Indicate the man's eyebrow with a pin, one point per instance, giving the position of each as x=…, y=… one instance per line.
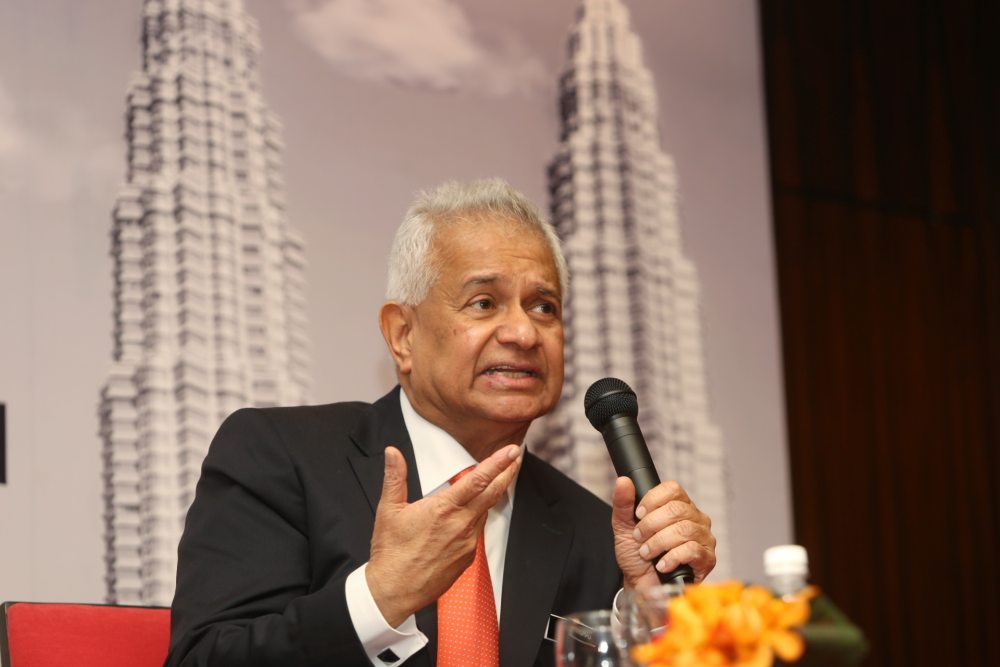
x=489, y=278
x=481, y=280
x=552, y=294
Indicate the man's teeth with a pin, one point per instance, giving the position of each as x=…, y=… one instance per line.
x=510, y=372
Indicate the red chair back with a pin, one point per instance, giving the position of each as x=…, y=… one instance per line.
x=37, y=634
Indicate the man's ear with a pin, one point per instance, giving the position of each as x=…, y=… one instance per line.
x=396, y=322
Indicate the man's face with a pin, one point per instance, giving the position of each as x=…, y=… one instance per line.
x=486, y=344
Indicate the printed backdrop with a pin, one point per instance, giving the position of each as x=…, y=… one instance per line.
x=378, y=100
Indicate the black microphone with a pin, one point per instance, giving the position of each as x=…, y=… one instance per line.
x=612, y=408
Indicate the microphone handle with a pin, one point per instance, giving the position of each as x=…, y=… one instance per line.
x=631, y=459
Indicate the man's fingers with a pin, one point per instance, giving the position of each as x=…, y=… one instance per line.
x=472, y=485
x=674, y=536
x=665, y=516
x=660, y=495
x=496, y=489
x=700, y=557
x=394, y=482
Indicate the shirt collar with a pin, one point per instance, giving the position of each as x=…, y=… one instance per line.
x=439, y=456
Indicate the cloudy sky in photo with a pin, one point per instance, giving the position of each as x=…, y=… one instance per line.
x=431, y=44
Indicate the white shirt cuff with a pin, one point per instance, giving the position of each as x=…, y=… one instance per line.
x=616, y=612
x=385, y=646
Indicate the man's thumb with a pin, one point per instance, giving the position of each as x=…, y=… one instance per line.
x=394, y=482
x=622, y=502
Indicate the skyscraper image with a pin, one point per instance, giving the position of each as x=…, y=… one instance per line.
x=632, y=309
x=209, y=293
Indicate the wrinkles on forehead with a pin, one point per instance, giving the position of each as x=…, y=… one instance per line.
x=468, y=224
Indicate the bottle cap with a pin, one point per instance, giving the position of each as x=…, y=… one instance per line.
x=786, y=559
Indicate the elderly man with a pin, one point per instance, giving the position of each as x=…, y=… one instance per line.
x=416, y=529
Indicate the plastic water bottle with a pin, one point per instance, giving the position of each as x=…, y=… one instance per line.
x=787, y=569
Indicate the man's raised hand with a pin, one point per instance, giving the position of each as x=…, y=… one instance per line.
x=419, y=549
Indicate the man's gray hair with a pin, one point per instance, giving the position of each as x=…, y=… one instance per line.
x=411, y=271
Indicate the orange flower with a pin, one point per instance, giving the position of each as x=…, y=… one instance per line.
x=729, y=625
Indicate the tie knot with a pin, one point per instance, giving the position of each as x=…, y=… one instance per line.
x=459, y=475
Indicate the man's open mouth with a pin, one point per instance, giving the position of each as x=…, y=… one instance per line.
x=511, y=372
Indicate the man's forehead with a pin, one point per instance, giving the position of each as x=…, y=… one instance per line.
x=464, y=241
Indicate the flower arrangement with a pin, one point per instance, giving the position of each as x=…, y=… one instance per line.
x=729, y=625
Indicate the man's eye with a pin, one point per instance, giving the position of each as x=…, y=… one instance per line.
x=482, y=304
x=547, y=308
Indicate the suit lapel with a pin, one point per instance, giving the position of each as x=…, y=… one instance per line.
x=537, y=546
x=383, y=426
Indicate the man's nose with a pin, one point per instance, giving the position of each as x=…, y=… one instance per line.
x=517, y=328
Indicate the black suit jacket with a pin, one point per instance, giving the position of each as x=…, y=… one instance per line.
x=284, y=511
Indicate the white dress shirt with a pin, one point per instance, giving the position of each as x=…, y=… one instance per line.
x=439, y=457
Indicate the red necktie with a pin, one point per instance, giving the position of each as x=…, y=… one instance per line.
x=468, y=635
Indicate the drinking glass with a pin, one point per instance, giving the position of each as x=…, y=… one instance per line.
x=585, y=639
x=644, y=616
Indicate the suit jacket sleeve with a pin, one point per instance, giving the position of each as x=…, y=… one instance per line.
x=246, y=592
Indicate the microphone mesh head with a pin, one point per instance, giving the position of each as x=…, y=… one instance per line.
x=607, y=398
